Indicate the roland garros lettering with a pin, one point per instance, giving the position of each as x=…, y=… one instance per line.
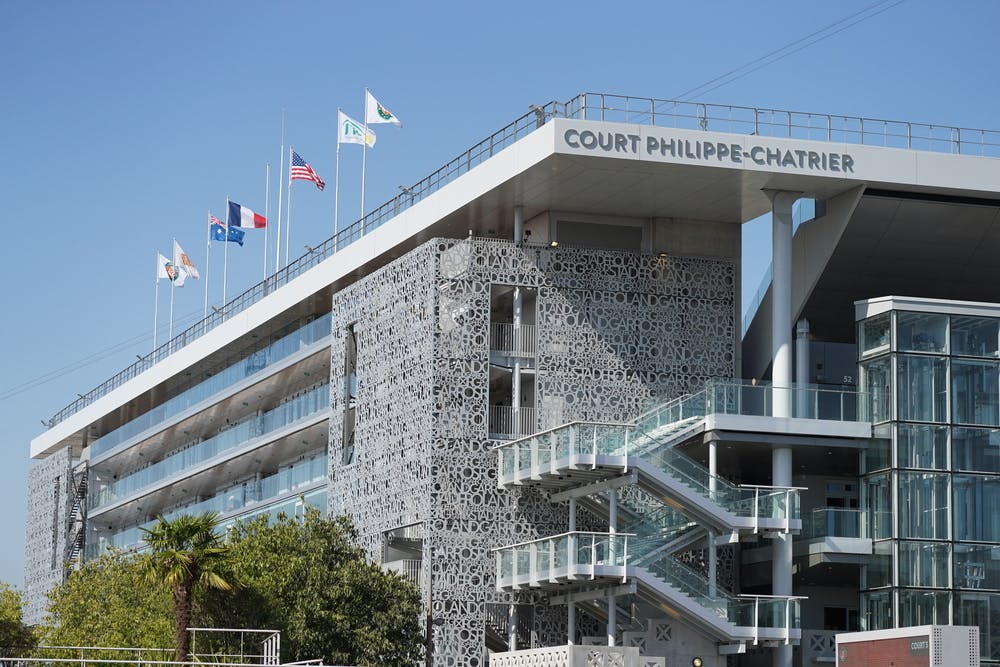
x=711, y=151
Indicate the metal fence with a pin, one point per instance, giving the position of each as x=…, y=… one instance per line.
x=586, y=106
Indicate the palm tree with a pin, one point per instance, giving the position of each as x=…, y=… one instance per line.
x=186, y=551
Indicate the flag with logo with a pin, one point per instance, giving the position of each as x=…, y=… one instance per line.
x=182, y=260
x=351, y=131
x=218, y=229
x=302, y=171
x=172, y=272
x=376, y=113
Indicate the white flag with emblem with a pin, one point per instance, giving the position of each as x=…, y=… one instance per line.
x=351, y=131
x=376, y=113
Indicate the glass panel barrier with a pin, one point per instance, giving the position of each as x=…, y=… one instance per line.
x=233, y=500
x=256, y=362
x=310, y=403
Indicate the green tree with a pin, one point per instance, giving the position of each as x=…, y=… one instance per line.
x=309, y=579
x=185, y=552
x=15, y=637
x=108, y=602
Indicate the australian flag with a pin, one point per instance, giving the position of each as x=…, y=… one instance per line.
x=219, y=231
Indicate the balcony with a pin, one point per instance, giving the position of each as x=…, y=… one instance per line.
x=511, y=341
x=275, y=493
x=257, y=363
x=504, y=424
x=300, y=408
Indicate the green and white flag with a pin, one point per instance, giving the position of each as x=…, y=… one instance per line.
x=376, y=113
x=351, y=131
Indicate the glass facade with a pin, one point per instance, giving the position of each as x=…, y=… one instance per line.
x=930, y=488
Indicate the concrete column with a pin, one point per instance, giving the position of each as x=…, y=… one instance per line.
x=803, y=398
x=713, y=556
x=512, y=627
x=781, y=296
x=571, y=624
x=515, y=390
x=781, y=380
x=612, y=528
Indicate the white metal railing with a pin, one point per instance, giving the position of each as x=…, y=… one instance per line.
x=514, y=340
x=505, y=422
x=407, y=567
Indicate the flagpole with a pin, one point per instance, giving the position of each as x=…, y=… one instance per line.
x=170, y=327
x=156, y=299
x=288, y=213
x=208, y=256
x=267, y=213
x=281, y=172
x=225, y=257
x=336, y=189
x=364, y=152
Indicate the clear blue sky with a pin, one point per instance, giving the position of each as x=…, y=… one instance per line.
x=124, y=122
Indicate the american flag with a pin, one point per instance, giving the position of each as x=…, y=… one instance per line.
x=302, y=171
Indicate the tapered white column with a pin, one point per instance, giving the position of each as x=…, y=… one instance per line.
x=803, y=399
x=781, y=380
x=713, y=471
x=612, y=529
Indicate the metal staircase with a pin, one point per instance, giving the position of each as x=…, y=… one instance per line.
x=672, y=504
x=76, y=521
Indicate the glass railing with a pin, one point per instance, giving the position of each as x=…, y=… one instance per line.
x=560, y=556
x=519, y=457
x=298, y=408
x=285, y=483
x=740, y=610
x=258, y=361
x=749, y=398
x=834, y=522
x=742, y=397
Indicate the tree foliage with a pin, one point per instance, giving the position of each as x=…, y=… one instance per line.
x=15, y=636
x=305, y=577
x=309, y=579
x=185, y=552
x=109, y=602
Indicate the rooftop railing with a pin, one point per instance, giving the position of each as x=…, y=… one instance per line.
x=586, y=106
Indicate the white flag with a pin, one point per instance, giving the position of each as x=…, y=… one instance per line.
x=172, y=272
x=182, y=260
x=376, y=113
x=351, y=131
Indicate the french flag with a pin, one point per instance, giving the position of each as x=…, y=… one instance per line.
x=241, y=216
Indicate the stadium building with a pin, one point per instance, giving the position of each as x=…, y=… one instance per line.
x=527, y=380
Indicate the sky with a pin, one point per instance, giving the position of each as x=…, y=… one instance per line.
x=122, y=124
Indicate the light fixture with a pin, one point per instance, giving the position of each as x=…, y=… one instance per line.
x=553, y=244
x=696, y=662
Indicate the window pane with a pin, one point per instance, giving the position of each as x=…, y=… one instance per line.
x=921, y=332
x=922, y=446
x=974, y=336
x=975, y=449
x=874, y=334
x=878, y=571
x=923, y=505
x=977, y=499
x=922, y=388
x=923, y=608
x=977, y=566
x=975, y=397
x=923, y=564
x=877, y=609
x=876, y=498
x=875, y=385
